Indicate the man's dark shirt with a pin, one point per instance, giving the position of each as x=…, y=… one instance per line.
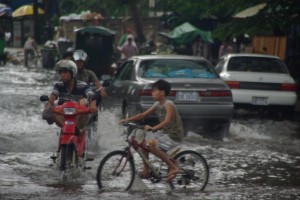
x=81, y=90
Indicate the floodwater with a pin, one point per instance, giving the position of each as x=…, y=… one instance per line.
x=259, y=160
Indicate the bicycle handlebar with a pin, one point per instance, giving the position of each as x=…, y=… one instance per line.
x=133, y=125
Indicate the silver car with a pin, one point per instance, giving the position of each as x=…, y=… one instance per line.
x=202, y=98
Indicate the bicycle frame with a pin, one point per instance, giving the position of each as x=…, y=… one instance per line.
x=139, y=147
x=119, y=165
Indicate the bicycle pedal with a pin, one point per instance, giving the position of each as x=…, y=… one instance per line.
x=172, y=187
x=89, y=159
x=53, y=157
x=86, y=168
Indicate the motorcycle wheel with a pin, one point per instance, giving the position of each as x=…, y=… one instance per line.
x=67, y=156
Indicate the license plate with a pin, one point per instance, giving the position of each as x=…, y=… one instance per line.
x=187, y=96
x=260, y=101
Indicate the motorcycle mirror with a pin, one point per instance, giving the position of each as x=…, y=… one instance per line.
x=44, y=98
x=105, y=80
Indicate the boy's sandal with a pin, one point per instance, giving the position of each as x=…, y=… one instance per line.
x=143, y=176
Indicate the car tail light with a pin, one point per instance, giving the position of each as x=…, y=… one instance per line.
x=233, y=84
x=288, y=87
x=145, y=93
x=149, y=93
x=172, y=93
x=218, y=93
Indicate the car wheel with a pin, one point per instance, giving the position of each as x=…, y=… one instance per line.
x=125, y=112
x=287, y=112
x=217, y=129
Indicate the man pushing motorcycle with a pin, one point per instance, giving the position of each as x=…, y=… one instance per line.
x=69, y=89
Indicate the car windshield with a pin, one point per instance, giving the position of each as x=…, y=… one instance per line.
x=176, y=68
x=256, y=64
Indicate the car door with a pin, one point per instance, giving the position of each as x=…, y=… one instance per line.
x=120, y=83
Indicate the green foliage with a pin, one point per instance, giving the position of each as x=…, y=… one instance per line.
x=71, y=6
x=275, y=18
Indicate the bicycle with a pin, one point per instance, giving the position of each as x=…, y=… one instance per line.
x=117, y=169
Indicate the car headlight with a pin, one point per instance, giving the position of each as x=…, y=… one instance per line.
x=69, y=111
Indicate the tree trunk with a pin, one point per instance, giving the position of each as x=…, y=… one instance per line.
x=137, y=22
x=36, y=21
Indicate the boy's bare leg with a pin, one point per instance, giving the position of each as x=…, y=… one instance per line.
x=82, y=121
x=145, y=171
x=59, y=120
x=173, y=169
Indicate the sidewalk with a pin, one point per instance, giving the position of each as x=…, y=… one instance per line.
x=16, y=52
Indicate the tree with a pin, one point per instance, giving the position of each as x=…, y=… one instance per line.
x=275, y=18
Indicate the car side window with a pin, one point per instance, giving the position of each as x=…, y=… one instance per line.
x=126, y=71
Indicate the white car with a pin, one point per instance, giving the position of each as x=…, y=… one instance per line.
x=259, y=81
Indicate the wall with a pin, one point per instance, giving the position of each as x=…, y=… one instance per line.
x=272, y=45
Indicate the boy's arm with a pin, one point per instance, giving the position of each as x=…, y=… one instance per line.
x=138, y=116
x=166, y=121
x=97, y=83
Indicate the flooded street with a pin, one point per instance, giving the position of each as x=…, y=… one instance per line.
x=260, y=159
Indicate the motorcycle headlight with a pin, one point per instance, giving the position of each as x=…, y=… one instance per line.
x=69, y=111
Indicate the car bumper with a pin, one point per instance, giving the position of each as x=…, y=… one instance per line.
x=271, y=98
x=207, y=111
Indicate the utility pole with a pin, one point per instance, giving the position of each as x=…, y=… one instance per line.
x=137, y=21
x=48, y=25
x=36, y=21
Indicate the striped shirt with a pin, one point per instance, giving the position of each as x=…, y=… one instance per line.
x=81, y=90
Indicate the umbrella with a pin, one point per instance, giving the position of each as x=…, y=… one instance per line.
x=186, y=32
x=249, y=12
x=5, y=10
x=26, y=10
x=97, y=30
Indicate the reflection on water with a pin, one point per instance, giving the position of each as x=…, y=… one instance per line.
x=260, y=159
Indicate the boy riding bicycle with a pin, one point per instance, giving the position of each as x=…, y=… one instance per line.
x=170, y=124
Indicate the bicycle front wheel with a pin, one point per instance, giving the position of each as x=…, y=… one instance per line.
x=116, y=172
x=194, y=173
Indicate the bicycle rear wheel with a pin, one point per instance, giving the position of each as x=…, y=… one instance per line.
x=195, y=171
x=116, y=172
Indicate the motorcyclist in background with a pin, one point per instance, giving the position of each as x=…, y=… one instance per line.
x=69, y=88
x=88, y=76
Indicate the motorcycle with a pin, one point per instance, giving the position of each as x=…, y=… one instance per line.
x=71, y=144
